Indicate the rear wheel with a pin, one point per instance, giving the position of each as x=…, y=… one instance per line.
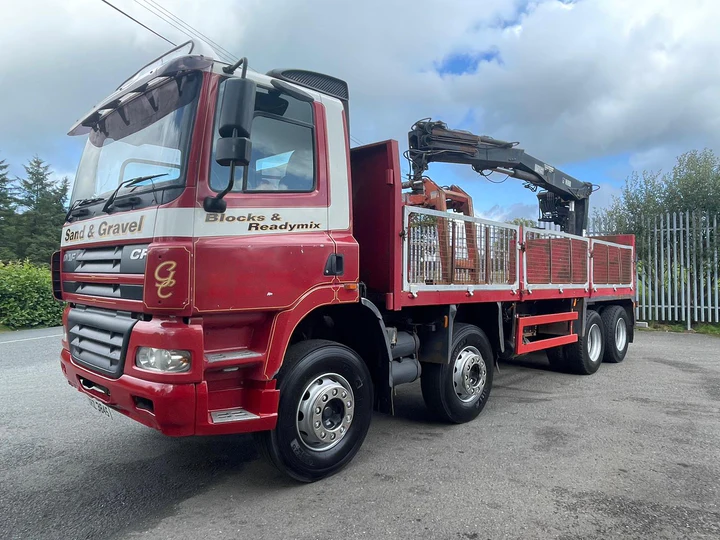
x=585, y=355
x=615, y=321
x=324, y=412
x=458, y=391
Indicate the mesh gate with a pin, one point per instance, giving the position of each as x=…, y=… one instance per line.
x=448, y=251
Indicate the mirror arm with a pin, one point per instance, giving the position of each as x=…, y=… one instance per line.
x=231, y=69
x=216, y=203
x=230, y=185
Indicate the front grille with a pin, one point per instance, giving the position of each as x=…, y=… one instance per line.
x=106, y=260
x=99, y=338
x=117, y=260
x=107, y=290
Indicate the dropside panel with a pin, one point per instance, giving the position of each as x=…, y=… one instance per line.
x=613, y=264
x=555, y=261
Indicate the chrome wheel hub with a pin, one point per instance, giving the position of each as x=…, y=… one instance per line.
x=325, y=411
x=594, y=342
x=469, y=374
x=620, y=334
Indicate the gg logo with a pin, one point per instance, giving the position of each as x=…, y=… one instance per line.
x=165, y=278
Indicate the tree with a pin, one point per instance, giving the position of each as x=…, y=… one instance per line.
x=7, y=215
x=693, y=184
x=42, y=201
x=643, y=196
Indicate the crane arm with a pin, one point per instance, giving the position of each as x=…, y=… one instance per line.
x=564, y=199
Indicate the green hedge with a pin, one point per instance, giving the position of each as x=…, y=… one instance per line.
x=26, y=298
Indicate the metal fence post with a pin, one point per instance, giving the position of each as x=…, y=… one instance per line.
x=676, y=268
x=706, y=262
x=715, y=268
x=688, y=273
x=683, y=270
x=694, y=270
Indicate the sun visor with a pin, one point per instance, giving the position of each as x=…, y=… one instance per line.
x=167, y=65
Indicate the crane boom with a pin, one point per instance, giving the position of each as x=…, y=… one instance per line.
x=563, y=199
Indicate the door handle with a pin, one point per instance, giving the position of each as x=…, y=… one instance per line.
x=335, y=265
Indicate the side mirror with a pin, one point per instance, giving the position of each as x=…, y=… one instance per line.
x=236, y=115
x=233, y=151
x=237, y=108
x=234, y=123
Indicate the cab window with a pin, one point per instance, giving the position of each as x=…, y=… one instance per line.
x=283, y=150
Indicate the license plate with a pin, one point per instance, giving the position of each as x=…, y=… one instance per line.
x=100, y=407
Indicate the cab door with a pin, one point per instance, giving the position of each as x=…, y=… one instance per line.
x=271, y=245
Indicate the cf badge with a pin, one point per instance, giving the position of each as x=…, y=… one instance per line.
x=165, y=278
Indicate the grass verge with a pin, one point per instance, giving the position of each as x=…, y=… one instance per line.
x=700, y=328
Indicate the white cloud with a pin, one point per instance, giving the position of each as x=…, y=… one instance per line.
x=604, y=77
x=508, y=213
x=603, y=197
x=578, y=81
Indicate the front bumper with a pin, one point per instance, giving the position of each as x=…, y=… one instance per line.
x=174, y=409
x=169, y=408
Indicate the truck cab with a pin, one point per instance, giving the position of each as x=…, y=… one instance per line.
x=150, y=270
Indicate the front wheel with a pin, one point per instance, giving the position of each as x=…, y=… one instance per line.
x=458, y=391
x=324, y=412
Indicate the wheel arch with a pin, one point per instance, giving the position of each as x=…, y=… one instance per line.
x=488, y=318
x=360, y=327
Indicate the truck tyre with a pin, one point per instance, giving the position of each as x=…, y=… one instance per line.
x=615, y=321
x=457, y=391
x=585, y=355
x=324, y=413
x=556, y=357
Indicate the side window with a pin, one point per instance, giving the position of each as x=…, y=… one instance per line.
x=282, y=148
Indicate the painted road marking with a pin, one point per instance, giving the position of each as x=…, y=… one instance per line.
x=30, y=339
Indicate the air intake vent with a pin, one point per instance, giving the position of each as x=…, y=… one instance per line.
x=99, y=339
x=317, y=81
x=55, y=269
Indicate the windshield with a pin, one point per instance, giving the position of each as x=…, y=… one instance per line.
x=148, y=135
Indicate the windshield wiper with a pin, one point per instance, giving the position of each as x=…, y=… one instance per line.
x=128, y=183
x=81, y=202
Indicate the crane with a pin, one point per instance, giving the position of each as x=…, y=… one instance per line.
x=563, y=200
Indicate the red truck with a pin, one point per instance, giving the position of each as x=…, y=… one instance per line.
x=231, y=265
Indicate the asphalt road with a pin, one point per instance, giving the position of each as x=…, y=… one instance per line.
x=632, y=452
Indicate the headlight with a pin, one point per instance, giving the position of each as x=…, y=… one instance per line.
x=164, y=360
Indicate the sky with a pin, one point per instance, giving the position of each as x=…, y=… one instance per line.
x=597, y=88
